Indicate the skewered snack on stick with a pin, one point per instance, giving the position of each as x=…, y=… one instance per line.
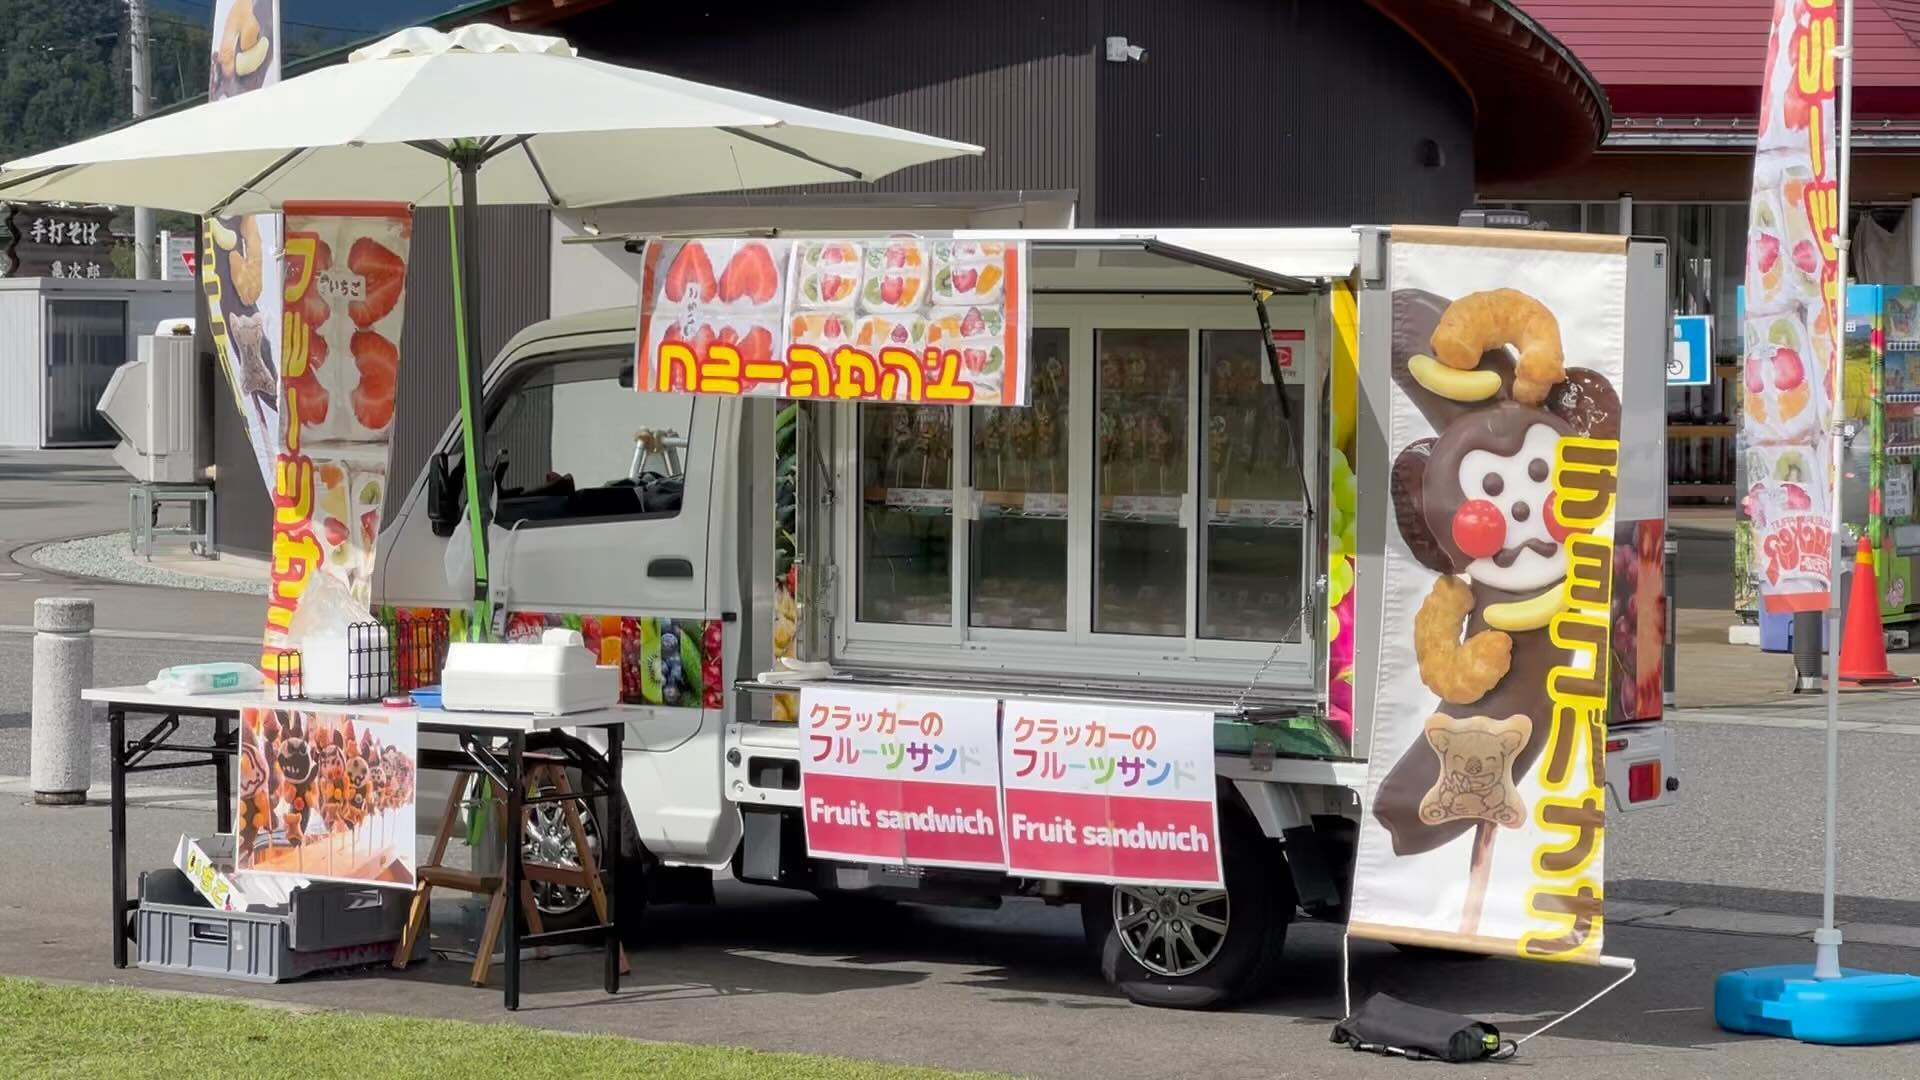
x=900, y=443
x=1159, y=442
x=256, y=806
x=294, y=755
x=1055, y=374
x=1129, y=450
x=1046, y=434
x=1219, y=452
x=1020, y=435
x=935, y=439
x=1109, y=443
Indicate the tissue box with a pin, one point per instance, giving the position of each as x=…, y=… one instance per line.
x=552, y=677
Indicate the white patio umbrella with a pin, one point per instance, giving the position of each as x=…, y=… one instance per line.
x=520, y=117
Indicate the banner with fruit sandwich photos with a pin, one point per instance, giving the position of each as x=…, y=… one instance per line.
x=1484, y=806
x=240, y=261
x=926, y=321
x=327, y=795
x=1788, y=378
x=346, y=275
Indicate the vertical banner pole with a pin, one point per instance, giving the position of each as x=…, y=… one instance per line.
x=1826, y=958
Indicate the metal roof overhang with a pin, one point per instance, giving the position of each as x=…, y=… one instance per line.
x=1291, y=261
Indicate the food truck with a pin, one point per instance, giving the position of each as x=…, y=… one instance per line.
x=1136, y=511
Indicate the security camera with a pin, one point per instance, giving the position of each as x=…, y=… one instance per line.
x=1119, y=52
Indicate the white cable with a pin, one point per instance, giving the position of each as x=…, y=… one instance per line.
x=1346, y=986
x=1571, y=1013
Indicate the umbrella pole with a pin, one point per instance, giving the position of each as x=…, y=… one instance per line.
x=465, y=270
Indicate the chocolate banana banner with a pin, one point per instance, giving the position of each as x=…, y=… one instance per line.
x=240, y=257
x=1484, y=804
x=346, y=275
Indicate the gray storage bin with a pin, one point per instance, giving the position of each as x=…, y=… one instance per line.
x=326, y=925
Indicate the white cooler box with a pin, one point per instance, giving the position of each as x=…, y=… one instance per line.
x=553, y=677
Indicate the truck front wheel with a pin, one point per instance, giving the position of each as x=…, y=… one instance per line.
x=1188, y=948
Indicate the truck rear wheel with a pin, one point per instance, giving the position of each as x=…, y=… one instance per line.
x=1186, y=948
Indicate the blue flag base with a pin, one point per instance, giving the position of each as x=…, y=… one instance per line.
x=1861, y=1008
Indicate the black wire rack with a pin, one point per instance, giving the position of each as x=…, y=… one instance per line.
x=383, y=658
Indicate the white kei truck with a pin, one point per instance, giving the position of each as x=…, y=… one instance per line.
x=1153, y=529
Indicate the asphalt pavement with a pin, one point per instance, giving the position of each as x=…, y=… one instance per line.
x=1011, y=990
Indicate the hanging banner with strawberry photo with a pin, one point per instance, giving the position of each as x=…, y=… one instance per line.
x=927, y=321
x=1787, y=321
x=346, y=274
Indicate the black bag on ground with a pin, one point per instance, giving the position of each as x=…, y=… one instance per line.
x=1386, y=1025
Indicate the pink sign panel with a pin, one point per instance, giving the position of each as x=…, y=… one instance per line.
x=901, y=778
x=1097, y=793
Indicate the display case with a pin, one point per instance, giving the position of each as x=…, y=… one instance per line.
x=1147, y=504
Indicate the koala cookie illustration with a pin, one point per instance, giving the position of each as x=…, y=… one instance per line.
x=1476, y=769
x=1475, y=504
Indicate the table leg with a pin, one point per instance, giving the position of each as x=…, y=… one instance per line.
x=222, y=779
x=516, y=826
x=117, y=828
x=610, y=858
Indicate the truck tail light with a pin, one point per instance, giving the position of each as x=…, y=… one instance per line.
x=1643, y=782
x=1616, y=744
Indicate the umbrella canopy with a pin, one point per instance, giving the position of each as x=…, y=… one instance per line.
x=552, y=128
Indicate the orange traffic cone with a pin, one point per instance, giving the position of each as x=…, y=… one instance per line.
x=1863, y=644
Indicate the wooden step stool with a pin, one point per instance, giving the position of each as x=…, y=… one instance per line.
x=432, y=874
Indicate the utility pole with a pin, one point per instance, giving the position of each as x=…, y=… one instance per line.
x=143, y=254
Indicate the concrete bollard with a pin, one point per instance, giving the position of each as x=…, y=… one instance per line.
x=62, y=742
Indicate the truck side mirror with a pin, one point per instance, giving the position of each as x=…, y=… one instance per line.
x=443, y=493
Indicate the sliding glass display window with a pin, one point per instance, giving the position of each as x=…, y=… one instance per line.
x=1018, y=539
x=1252, y=549
x=906, y=515
x=1140, y=541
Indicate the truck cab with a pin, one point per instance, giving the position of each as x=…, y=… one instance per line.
x=1159, y=525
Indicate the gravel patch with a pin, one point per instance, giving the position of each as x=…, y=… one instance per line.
x=108, y=556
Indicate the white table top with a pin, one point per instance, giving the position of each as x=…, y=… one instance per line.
x=139, y=697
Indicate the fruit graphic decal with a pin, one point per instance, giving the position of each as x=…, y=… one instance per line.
x=896, y=276
x=690, y=277
x=750, y=277
x=845, y=301
x=829, y=273
x=378, y=362
x=384, y=275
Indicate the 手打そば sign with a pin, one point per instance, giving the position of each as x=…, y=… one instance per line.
x=901, y=778
x=927, y=321
x=73, y=242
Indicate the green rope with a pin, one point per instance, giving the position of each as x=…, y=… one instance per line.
x=483, y=604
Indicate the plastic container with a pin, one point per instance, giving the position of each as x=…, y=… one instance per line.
x=1861, y=1008
x=553, y=677
x=325, y=926
x=222, y=678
